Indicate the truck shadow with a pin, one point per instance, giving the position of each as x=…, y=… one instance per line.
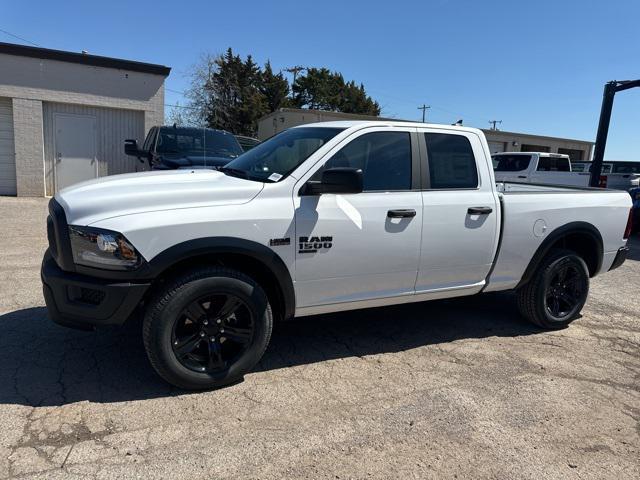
x=43, y=364
x=634, y=247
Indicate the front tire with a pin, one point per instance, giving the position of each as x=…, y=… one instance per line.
x=555, y=295
x=207, y=328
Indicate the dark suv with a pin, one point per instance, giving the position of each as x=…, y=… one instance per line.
x=167, y=148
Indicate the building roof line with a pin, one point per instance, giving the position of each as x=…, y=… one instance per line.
x=356, y=116
x=83, y=59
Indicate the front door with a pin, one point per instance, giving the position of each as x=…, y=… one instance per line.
x=354, y=247
x=75, y=149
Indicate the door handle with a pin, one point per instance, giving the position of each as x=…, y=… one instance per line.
x=522, y=176
x=479, y=210
x=401, y=213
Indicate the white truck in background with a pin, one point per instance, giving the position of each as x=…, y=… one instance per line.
x=320, y=218
x=618, y=175
x=537, y=167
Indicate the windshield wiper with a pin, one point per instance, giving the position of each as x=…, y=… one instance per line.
x=234, y=172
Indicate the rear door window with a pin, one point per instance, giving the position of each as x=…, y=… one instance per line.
x=512, y=163
x=553, y=164
x=451, y=161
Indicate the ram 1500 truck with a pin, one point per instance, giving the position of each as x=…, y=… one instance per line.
x=168, y=148
x=320, y=218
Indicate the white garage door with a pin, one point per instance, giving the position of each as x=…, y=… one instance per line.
x=7, y=151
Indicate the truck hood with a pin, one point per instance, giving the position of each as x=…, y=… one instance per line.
x=116, y=195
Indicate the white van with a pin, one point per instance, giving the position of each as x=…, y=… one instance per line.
x=537, y=167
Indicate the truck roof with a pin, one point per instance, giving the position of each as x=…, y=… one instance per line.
x=388, y=123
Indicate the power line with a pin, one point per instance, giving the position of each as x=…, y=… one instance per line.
x=180, y=106
x=19, y=38
x=424, y=109
x=174, y=91
x=413, y=102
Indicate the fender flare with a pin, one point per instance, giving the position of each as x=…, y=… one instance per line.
x=221, y=245
x=553, y=237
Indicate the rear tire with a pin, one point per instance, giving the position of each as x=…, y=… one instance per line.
x=554, y=297
x=207, y=328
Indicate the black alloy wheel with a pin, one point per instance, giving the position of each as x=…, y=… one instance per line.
x=565, y=291
x=558, y=290
x=207, y=327
x=212, y=332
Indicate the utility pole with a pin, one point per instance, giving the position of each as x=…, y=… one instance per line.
x=424, y=109
x=610, y=90
x=493, y=123
x=294, y=70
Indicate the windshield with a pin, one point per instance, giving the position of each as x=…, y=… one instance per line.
x=512, y=163
x=277, y=157
x=197, y=142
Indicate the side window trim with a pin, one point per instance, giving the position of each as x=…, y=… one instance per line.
x=425, y=178
x=416, y=163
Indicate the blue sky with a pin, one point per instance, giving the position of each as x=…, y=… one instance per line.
x=539, y=66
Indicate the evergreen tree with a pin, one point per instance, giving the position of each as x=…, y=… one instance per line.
x=321, y=89
x=232, y=94
x=274, y=87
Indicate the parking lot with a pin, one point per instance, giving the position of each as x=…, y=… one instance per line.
x=448, y=389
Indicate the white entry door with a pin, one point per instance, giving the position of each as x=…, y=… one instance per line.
x=75, y=149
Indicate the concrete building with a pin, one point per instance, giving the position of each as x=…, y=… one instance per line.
x=499, y=141
x=64, y=116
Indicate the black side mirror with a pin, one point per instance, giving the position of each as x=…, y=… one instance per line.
x=131, y=148
x=336, y=180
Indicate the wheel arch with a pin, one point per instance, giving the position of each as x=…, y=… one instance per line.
x=252, y=258
x=580, y=237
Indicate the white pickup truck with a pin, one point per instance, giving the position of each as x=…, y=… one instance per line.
x=537, y=167
x=320, y=218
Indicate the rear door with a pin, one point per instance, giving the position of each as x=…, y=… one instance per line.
x=513, y=167
x=460, y=213
x=353, y=247
x=556, y=170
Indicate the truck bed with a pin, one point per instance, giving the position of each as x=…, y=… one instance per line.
x=521, y=187
x=532, y=212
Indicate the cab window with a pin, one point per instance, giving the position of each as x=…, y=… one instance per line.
x=512, y=163
x=451, y=161
x=150, y=140
x=553, y=164
x=383, y=157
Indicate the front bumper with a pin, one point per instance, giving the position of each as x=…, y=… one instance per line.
x=81, y=301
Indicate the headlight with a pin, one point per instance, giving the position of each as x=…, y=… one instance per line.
x=95, y=247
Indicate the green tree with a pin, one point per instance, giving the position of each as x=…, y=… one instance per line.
x=275, y=88
x=321, y=89
x=232, y=94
